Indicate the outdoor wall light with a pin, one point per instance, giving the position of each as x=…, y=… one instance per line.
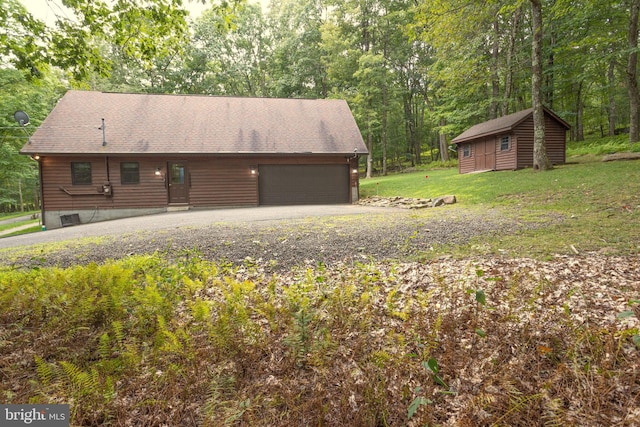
x=354, y=171
x=254, y=170
x=36, y=157
x=158, y=172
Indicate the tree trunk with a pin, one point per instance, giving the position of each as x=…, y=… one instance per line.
x=632, y=73
x=508, y=81
x=495, y=80
x=20, y=195
x=370, y=149
x=442, y=139
x=419, y=114
x=612, y=98
x=384, y=129
x=409, y=125
x=540, y=159
x=548, y=89
x=579, y=112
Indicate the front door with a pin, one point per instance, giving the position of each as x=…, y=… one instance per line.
x=178, y=182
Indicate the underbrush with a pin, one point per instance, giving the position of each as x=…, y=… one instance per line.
x=601, y=146
x=499, y=342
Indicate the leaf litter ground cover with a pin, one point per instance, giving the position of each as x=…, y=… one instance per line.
x=148, y=341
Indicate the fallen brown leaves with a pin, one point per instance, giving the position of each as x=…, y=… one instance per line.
x=516, y=342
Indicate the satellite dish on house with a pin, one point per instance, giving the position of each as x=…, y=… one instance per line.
x=21, y=117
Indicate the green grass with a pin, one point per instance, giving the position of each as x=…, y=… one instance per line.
x=11, y=215
x=34, y=229
x=596, y=204
x=560, y=188
x=11, y=225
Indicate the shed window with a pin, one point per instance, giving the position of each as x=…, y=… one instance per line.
x=129, y=173
x=466, y=150
x=505, y=143
x=81, y=173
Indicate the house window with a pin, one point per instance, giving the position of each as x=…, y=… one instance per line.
x=129, y=173
x=466, y=150
x=505, y=143
x=81, y=173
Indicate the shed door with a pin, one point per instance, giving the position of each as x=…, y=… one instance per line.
x=303, y=184
x=485, y=155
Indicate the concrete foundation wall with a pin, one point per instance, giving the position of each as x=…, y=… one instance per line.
x=53, y=219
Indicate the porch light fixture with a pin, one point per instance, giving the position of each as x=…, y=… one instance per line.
x=354, y=171
x=254, y=170
x=158, y=172
x=35, y=157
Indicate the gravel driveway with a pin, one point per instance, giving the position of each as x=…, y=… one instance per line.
x=280, y=237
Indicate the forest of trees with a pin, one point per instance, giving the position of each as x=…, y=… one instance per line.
x=415, y=73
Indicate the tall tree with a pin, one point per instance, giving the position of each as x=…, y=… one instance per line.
x=540, y=159
x=296, y=65
x=235, y=59
x=632, y=73
x=21, y=37
x=142, y=31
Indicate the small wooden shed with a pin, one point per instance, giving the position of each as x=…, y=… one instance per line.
x=506, y=143
x=113, y=155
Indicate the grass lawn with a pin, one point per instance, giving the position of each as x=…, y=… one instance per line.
x=599, y=203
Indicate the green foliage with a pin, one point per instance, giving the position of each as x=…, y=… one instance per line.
x=417, y=403
x=432, y=366
x=18, y=173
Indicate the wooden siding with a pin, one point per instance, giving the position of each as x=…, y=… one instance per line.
x=59, y=193
x=520, y=153
x=524, y=133
x=466, y=164
x=214, y=181
x=506, y=159
x=555, y=137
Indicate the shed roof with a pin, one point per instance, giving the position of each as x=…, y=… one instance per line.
x=193, y=124
x=502, y=124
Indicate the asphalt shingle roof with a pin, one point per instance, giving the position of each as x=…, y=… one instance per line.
x=187, y=124
x=500, y=125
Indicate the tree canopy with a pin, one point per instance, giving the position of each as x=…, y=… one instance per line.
x=414, y=73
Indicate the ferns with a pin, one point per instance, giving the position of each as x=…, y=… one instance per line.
x=166, y=343
x=44, y=370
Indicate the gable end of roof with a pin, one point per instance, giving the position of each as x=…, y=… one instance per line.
x=502, y=124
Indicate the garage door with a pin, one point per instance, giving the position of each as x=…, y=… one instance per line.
x=303, y=184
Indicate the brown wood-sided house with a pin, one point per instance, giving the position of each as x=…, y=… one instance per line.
x=506, y=143
x=113, y=155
